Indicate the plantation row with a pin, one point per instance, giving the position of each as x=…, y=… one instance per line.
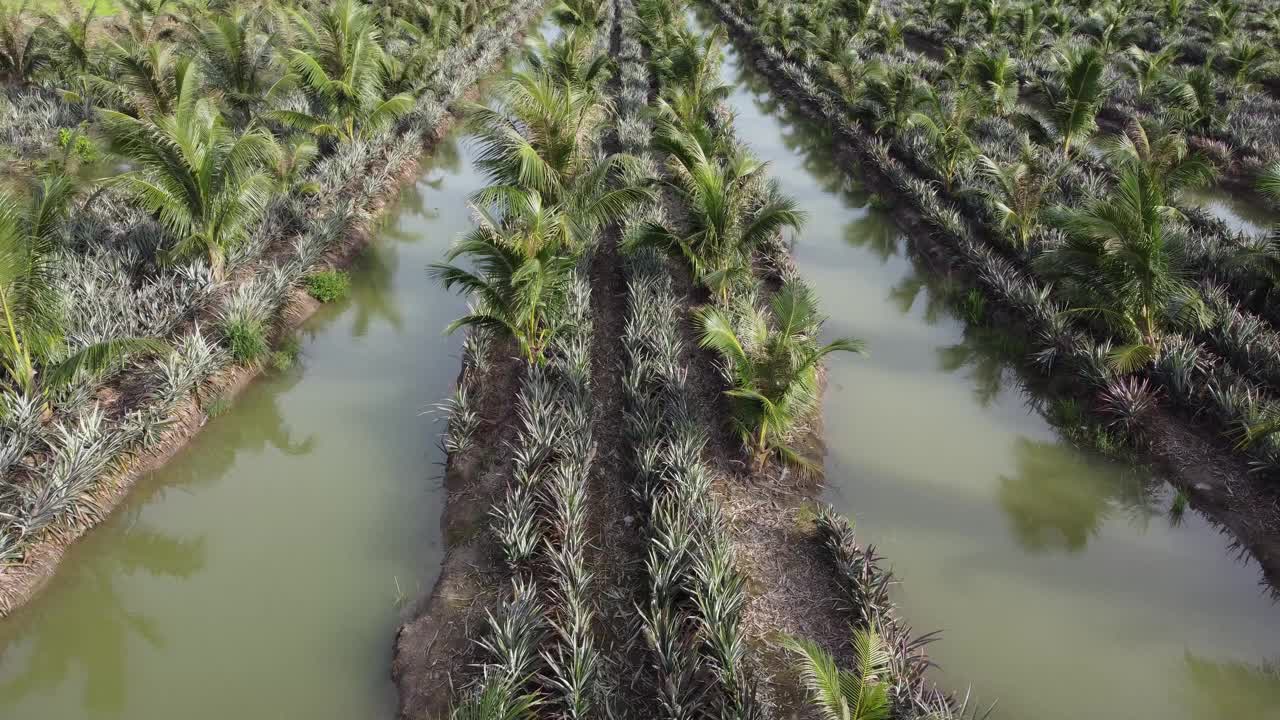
x=684, y=200
x=253, y=142
x=1086, y=238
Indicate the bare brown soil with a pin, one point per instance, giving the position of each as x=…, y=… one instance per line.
x=20, y=583
x=1187, y=453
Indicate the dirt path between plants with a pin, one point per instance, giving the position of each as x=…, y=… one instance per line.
x=435, y=646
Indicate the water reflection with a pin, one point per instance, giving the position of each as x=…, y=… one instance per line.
x=1057, y=499
x=984, y=357
x=937, y=292
x=372, y=301
x=1239, y=213
x=1216, y=690
x=874, y=232
x=95, y=625
x=264, y=427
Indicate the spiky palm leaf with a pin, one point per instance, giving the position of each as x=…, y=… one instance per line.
x=341, y=68
x=205, y=183
x=1122, y=263
x=771, y=359
x=858, y=694
x=32, y=336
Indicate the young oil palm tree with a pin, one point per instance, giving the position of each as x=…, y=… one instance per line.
x=946, y=124
x=145, y=19
x=32, y=339
x=690, y=73
x=771, y=360
x=1075, y=102
x=140, y=79
x=1162, y=154
x=1121, y=263
x=858, y=694
x=540, y=135
x=236, y=59
x=522, y=272
x=890, y=97
x=1173, y=10
x=296, y=156
x=1148, y=68
x=994, y=73
x=585, y=14
x=1192, y=99
x=1033, y=32
x=1018, y=191
x=729, y=214
x=205, y=183
x=71, y=46
x=890, y=34
x=1222, y=18
x=23, y=50
x=994, y=14
x=340, y=69
x=1247, y=61
x=573, y=62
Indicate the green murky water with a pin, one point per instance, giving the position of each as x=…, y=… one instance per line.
x=1239, y=213
x=1062, y=586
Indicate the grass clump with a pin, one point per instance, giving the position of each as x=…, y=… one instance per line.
x=247, y=340
x=328, y=285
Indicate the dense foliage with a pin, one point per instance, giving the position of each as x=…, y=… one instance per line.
x=170, y=173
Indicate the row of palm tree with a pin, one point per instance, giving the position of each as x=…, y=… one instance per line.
x=551, y=191
x=731, y=216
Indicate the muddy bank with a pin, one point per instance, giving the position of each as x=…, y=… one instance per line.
x=1186, y=449
x=20, y=583
x=435, y=644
